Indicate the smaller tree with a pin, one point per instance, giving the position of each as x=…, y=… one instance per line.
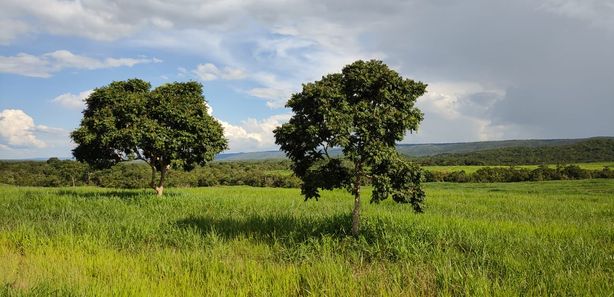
x=365, y=110
x=165, y=127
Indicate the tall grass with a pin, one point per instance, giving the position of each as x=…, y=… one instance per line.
x=547, y=238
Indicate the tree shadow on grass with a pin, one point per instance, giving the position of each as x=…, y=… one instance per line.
x=284, y=229
x=105, y=194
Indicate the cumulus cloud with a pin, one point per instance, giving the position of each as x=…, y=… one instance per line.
x=209, y=71
x=46, y=64
x=17, y=129
x=22, y=137
x=73, y=101
x=252, y=134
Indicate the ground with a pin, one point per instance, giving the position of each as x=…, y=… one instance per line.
x=538, y=238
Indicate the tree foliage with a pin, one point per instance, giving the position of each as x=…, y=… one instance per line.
x=364, y=110
x=166, y=127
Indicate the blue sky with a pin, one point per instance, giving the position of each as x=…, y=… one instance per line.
x=495, y=69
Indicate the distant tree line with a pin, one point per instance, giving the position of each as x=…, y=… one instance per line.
x=591, y=150
x=55, y=173
x=513, y=174
x=277, y=173
x=269, y=173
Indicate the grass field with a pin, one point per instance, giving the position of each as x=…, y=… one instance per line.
x=546, y=238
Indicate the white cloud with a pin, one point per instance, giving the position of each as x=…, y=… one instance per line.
x=458, y=111
x=72, y=101
x=47, y=64
x=90, y=19
x=17, y=129
x=11, y=29
x=206, y=71
x=209, y=71
x=252, y=134
x=112, y=20
x=303, y=51
x=274, y=90
x=209, y=108
x=22, y=137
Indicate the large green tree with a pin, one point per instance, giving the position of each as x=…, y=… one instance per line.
x=364, y=110
x=166, y=127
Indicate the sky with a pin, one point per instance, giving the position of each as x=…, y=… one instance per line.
x=521, y=69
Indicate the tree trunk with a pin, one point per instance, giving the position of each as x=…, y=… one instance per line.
x=160, y=188
x=152, y=183
x=356, y=212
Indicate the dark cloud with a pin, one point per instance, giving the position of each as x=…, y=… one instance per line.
x=556, y=71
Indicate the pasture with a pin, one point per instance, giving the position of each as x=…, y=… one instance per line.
x=535, y=238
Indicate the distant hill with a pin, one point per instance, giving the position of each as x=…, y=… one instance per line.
x=466, y=152
x=430, y=149
x=252, y=156
x=598, y=149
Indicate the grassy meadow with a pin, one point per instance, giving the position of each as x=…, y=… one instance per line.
x=525, y=239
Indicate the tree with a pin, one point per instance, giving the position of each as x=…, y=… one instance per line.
x=365, y=110
x=166, y=127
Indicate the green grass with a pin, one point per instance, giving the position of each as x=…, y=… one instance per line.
x=546, y=238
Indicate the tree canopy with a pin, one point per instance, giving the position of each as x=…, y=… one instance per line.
x=365, y=110
x=166, y=127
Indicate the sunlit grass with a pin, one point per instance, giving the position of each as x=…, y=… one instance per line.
x=546, y=238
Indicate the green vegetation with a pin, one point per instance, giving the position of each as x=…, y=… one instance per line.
x=54, y=173
x=269, y=173
x=544, y=238
x=590, y=150
x=474, y=168
x=433, y=149
x=277, y=172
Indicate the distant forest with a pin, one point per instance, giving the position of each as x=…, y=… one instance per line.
x=428, y=149
x=276, y=173
x=589, y=150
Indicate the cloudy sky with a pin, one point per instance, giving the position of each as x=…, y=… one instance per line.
x=495, y=69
